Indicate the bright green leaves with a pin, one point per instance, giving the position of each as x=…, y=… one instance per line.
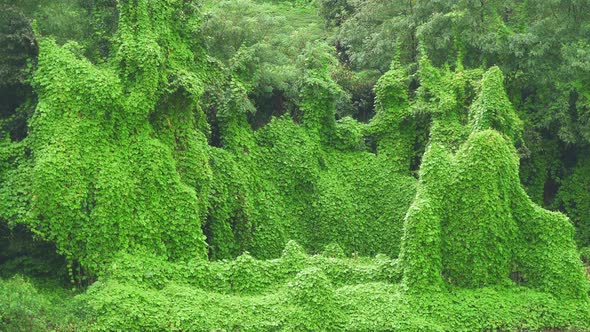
x=140, y=55
x=442, y=94
x=471, y=222
x=393, y=126
x=317, y=91
x=313, y=292
x=298, y=292
x=480, y=234
x=311, y=181
x=349, y=135
x=492, y=109
x=68, y=80
x=290, y=186
x=120, y=156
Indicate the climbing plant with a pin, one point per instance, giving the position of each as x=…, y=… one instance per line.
x=175, y=174
x=471, y=223
x=112, y=143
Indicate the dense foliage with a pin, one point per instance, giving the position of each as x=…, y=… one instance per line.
x=541, y=46
x=471, y=223
x=294, y=165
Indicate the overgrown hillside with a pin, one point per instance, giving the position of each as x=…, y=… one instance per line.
x=293, y=165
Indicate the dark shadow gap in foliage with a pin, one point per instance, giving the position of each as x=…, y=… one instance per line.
x=275, y=104
x=22, y=253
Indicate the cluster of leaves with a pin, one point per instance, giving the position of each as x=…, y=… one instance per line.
x=205, y=133
x=306, y=293
x=541, y=47
x=471, y=223
x=118, y=155
x=25, y=307
x=141, y=291
x=91, y=23
x=103, y=178
x=282, y=182
x=573, y=197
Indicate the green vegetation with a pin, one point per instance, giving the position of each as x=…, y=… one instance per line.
x=294, y=165
x=471, y=223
